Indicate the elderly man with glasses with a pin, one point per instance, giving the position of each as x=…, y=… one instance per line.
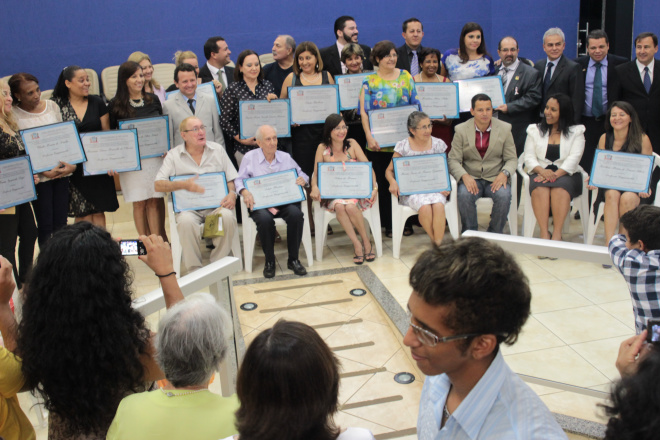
x=469, y=296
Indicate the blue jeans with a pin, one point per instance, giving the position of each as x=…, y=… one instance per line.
x=468, y=208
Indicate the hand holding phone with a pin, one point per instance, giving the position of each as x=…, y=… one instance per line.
x=132, y=247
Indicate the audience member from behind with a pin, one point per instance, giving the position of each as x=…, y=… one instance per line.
x=14, y=424
x=470, y=392
x=288, y=387
x=283, y=49
x=151, y=85
x=636, y=253
x=191, y=343
x=634, y=406
x=84, y=346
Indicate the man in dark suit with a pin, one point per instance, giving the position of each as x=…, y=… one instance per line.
x=640, y=85
x=345, y=32
x=559, y=74
x=217, y=55
x=600, y=90
x=407, y=59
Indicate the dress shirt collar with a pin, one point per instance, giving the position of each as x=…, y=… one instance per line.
x=185, y=98
x=554, y=63
x=205, y=153
x=214, y=70
x=641, y=67
x=512, y=67
x=592, y=63
x=261, y=157
x=476, y=127
x=340, y=47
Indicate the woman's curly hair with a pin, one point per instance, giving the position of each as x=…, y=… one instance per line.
x=79, y=337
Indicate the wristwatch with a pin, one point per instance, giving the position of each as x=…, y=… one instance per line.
x=506, y=173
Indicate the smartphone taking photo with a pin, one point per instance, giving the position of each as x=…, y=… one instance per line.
x=132, y=248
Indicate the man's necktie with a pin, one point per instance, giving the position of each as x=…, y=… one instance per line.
x=414, y=64
x=548, y=77
x=505, y=77
x=597, y=101
x=221, y=78
x=192, y=107
x=647, y=80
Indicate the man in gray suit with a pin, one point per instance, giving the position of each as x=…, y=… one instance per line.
x=189, y=103
x=482, y=159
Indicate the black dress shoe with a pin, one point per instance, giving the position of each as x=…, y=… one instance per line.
x=269, y=269
x=297, y=267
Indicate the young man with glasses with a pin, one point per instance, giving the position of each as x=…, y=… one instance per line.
x=468, y=297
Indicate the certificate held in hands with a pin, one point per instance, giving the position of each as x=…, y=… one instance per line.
x=254, y=114
x=275, y=189
x=422, y=174
x=349, y=89
x=439, y=100
x=312, y=104
x=49, y=145
x=489, y=85
x=390, y=125
x=215, y=189
x=153, y=135
x=352, y=180
x=115, y=150
x=16, y=182
x=621, y=171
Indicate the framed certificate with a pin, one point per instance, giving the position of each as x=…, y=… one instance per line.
x=621, y=171
x=349, y=89
x=275, y=189
x=153, y=134
x=253, y=114
x=428, y=173
x=115, y=150
x=49, y=145
x=16, y=182
x=390, y=125
x=208, y=89
x=439, y=100
x=215, y=189
x=312, y=104
x=490, y=85
x=350, y=180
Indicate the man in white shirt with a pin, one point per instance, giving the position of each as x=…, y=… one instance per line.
x=468, y=297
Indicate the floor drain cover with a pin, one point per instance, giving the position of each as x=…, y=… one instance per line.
x=248, y=306
x=358, y=292
x=404, y=378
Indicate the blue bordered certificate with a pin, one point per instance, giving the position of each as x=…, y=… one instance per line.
x=16, y=182
x=621, y=171
x=424, y=174
x=349, y=89
x=254, y=114
x=312, y=104
x=390, y=125
x=153, y=134
x=489, y=85
x=115, y=150
x=215, y=189
x=439, y=100
x=275, y=189
x=51, y=144
x=349, y=180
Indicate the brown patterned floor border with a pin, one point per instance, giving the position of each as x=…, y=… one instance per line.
x=362, y=372
x=337, y=323
x=304, y=306
x=370, y=402
x=298, y=286
x=353, y=346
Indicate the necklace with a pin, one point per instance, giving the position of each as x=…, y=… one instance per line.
x=172, y=394
x=446, y=412
x=316, y=75
x=136, y=102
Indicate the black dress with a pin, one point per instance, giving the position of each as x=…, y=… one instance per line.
x=89, y=194
x=306, y=138
x=571, y=183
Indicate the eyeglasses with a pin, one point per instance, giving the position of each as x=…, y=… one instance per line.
x=340, y=128
x=430, y=339
x=196, y=129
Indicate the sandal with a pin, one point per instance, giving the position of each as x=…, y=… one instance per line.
x=358, y=259
x=330, y=230
x=369, y=256
x=408, y=231
x=388, y=233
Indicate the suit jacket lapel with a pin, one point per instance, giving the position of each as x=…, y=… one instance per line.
x=471, y=137
x=559, y=66
x=494, y=134
x=656, y=77
x=518, y=76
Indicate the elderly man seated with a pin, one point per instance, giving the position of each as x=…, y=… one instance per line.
x=267, y=160
x=199, y=156
x=190, y=345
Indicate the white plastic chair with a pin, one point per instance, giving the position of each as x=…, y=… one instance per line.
x=175, y=243
x=400, y=214
x=322, y=217
x=250, y=235
x=164, y=74
x=109, y=77
x=266, y=58
x=529, y=219
x=594, y=219
x=94, y=87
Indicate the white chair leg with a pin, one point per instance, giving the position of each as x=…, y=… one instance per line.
x=374, y=216
x=307, y=235
x=320, y=232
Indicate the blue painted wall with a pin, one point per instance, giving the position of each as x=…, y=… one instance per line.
x=43, y=37
x=647, y=18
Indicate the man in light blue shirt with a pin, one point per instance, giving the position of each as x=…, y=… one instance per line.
x=468, y=297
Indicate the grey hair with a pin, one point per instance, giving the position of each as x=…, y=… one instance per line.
x=554, y=31
x=259, y=134
x=289, y=41
x=192, y=340
x=414, y=119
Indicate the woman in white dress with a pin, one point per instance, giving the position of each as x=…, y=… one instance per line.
x=431, y=206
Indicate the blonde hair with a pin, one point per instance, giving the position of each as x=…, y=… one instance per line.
x=138, y=57
x=181, y=55
x=9, y=118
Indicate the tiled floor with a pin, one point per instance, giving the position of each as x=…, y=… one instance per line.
x=580, y=314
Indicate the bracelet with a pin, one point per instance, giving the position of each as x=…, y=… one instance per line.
x=163, y=276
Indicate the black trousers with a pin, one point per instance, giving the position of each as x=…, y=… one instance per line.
x=594, y=129
x=19, y=225
x=51, y=207
x=265, y=221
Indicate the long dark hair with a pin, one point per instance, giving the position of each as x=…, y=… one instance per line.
x=635, y=131
x=121, y=106
x=61, y=91
x=566, y=113
x=331, y=122
x=238, y=75
x=462, y=49
x=288, y=386
x=80, y=338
